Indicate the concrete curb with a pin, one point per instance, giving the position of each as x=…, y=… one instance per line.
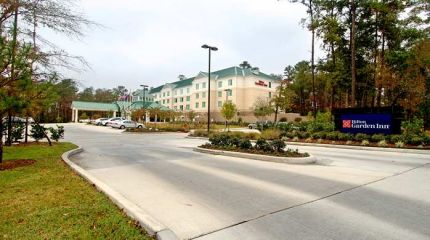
x=377, y=149
x=152, y=226
x=290, y=160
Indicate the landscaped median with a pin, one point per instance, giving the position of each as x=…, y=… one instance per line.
x=273, y=151
x=47, y=200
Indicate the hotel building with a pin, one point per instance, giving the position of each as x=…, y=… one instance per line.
x=238, y=85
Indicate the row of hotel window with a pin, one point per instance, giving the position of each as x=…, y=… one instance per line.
x=197, y=86
x=203, y=94
x=197, y=106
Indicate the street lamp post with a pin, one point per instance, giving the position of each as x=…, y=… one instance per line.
x=143, y=95
x=210, y=49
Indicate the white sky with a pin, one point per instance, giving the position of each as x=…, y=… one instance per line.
x=153, y=41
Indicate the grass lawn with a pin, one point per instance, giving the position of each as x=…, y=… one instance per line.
x=47, y=200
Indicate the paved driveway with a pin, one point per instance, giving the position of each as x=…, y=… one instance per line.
x=349, y=194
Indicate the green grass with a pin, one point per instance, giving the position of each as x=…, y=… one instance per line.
x=47, y=200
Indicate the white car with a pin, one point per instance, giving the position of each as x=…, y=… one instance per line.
x=109, y=121
x=126, y=124
x=98, y=121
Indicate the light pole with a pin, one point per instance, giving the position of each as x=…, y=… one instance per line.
x=209, y=82
x=143, y=96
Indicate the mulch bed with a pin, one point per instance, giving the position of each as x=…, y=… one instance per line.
x=12, y=164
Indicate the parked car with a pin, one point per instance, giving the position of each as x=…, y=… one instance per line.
x=98, y=121
x=126, y=124
x=107, y=122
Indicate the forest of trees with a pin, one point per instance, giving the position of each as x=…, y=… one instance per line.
x=377, y=53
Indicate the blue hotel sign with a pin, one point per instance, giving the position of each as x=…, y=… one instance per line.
x=366, y=123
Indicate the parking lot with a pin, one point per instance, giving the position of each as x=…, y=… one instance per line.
x=349, y=194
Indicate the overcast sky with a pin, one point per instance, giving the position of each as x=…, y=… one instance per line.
x=153, y=41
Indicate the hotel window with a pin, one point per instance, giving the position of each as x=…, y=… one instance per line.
x=270, y=84
x=181, y=107
x=219, y=93
x=197, y=86
x=197, y=96
x=187, y=107
x=197, y=105
x=164, y=101
x=219, y=103
x=164, y=94
x=168, y=100
x=219, y=84
x=175, y=100
x=203, y=94
x=175, y=93
x=188, y=98
x=230, y=93
x=168, y=93
x=203, y=104
x=181, y=99
x=204, y=85
x=230, y=82
x=181, y=91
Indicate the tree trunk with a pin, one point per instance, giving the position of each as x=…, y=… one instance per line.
x=1, y=138
x=353, y=67
x=9, y=129
x=26, y=130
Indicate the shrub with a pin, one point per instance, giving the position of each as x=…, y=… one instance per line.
x=278, y=145
x=58, y=133
x=322, y=122
x=318, y=135
x=319, y=140
x=200, y=133
x=245, y=144
x=349, y=142
x=382, y=143
x=263, y=145
x=271, y=134
x=291, y=134
x=396, y=138
x=365, y=143
x=37, y=132
x=399, y=144
x=297, y=119
x=415, y=140
x=332, y=135
x=345, y=137
x=234, y=141
x=413, y=127
x=308, y=140
x=295, y=139
x=17, y=132
x=377, y=137
x=304, y=135
x=283, y=119
x=361, y=136
x=426, y=139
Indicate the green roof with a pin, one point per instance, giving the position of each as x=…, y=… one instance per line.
x=231, y=71
x=94, y=106
x=147, y=105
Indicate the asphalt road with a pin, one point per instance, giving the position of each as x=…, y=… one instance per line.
x=349, y=194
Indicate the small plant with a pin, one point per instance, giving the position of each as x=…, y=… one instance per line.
x=365, y=143
x=295, y=139
x=297, y=119
x=309, y=140
x=361, y=136
x=345, y=136
x=396, y=138
x=58, y=133
x=399, y=144
x=263, y=145
x=278, y=145
x=333, y=142
x=304, y=135
x=320, y=140
x=382, y=143
x=37, y=132
x=415, y=140
x=377, y=137
x=283, y=119
x=332, y=135
x=245, y=144
x=349, y=142
x=17, y=132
